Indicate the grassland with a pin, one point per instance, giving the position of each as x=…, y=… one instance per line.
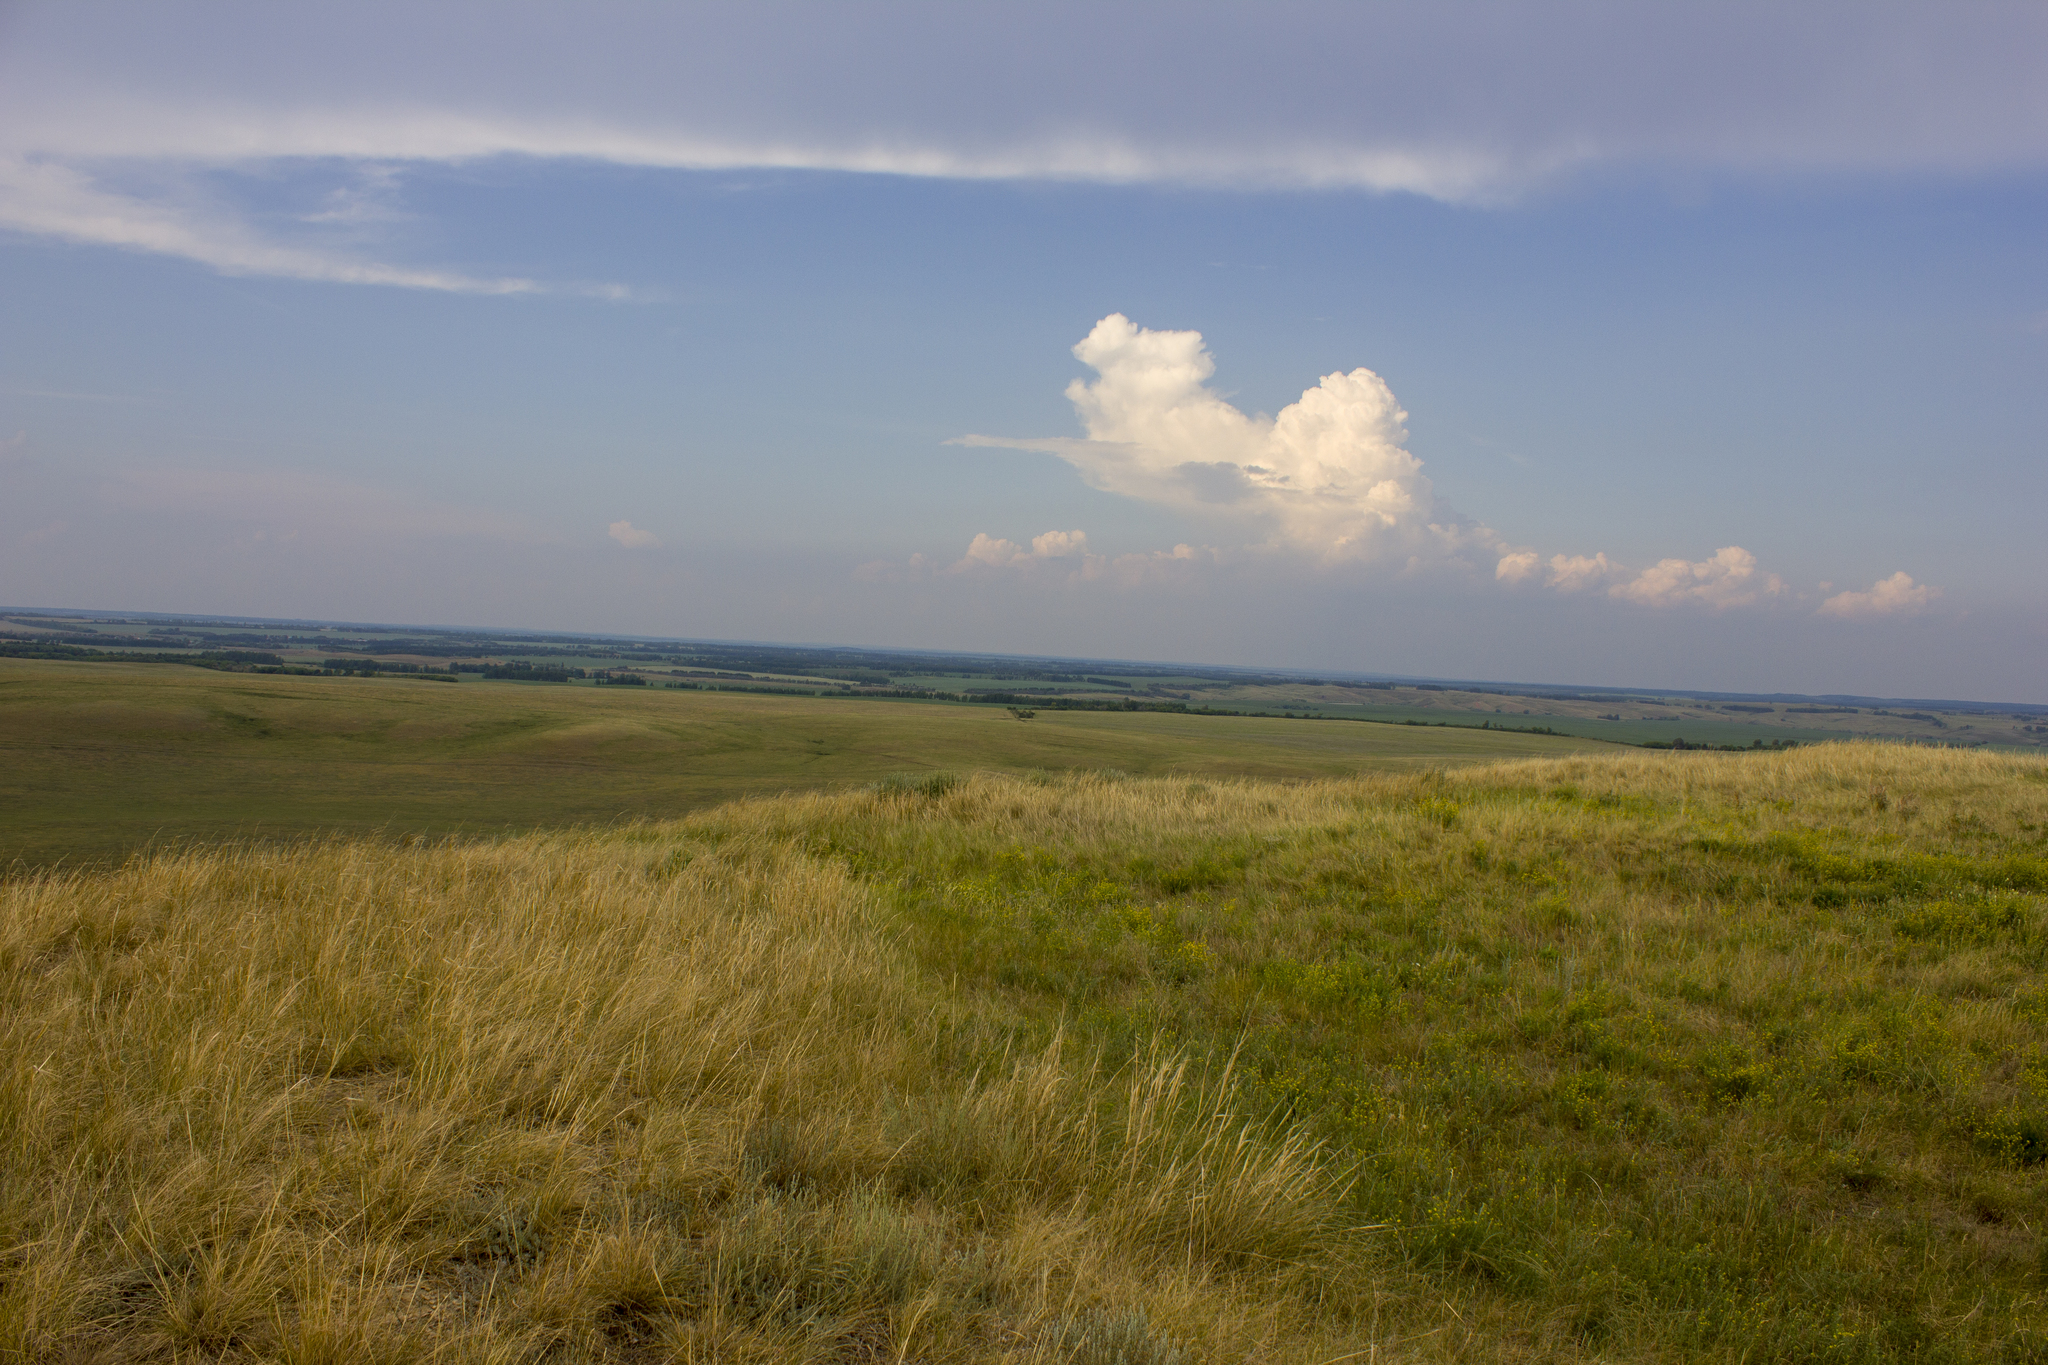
x=1634, y=719
x=1622, y=1056
x=1606, y=714
x=97, y=759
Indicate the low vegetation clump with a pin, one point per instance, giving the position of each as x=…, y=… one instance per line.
x=1671, y=1056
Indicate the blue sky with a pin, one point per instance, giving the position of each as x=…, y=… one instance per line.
x=1665, y=346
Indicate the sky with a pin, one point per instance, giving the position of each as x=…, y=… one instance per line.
x=1678, y=345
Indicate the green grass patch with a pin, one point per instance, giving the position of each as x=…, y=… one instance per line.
x=1703, y=1056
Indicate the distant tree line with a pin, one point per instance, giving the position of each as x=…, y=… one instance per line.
x=521, y=670
x=365, y=667
x=229, y=659
x=1750, y=747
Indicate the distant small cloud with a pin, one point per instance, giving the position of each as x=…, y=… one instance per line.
x=990, y=551
x=1060, y=544
x=987, y=551
x=372, y=197
x=1571, y=573
x=894, y=571
x=1898, y=595
x=1519, y=567
x=1566, y=573
x=632, y=537
x=1728, y=579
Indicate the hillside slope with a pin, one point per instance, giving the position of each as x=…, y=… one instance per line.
x=1651, y=1056
x=99, y=759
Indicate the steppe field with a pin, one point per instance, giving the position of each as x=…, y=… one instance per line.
x=100, y=759
x=1110, y=1039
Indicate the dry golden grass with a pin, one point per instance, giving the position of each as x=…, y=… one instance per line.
x=557, y=1096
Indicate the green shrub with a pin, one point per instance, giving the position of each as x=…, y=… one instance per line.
x=932, y=785
x=2013, y=1134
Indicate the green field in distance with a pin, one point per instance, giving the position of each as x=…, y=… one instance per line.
x=99, y=759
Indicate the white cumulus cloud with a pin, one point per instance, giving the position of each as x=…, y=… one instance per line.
x=1330, y=477
x=631, y=536
x=1570, y=573
x=1060, y=544
x=1898, y=595
x=1330, y=474
x=1728, y=579
x=988, y=551
x=1566, y=573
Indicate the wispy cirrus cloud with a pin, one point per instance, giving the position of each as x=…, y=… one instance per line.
x=1410, y=98
x=1054, y=556
x=1405, y=95
x=48, y=199
x=65, y=183
x=428, y=133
